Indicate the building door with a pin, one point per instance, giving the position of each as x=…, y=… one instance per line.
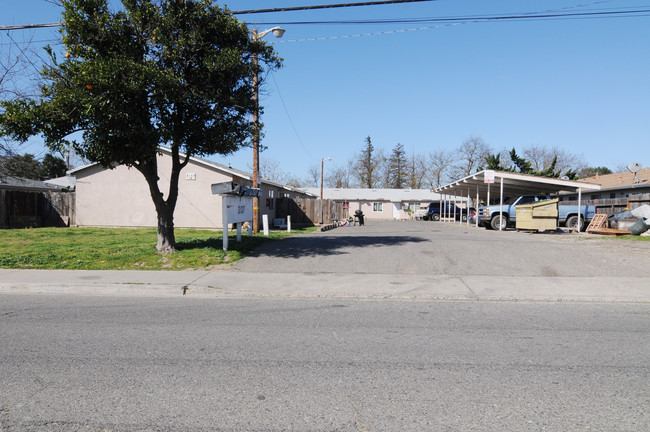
x=395, y=211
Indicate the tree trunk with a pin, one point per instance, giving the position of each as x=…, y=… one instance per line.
x=166, y=239
x=164, y=208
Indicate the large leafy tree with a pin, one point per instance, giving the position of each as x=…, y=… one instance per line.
x=25, y=166
x=159, y=72
x=52, y=167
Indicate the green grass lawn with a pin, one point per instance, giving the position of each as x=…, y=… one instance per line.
x=121, y=248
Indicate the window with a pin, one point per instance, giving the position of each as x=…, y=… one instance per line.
x=377, y=207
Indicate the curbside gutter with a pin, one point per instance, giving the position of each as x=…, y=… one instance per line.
x=396, y=287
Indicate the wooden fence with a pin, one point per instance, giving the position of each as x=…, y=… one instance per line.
x=308, y=212
x=25, y=209
x=614, y=205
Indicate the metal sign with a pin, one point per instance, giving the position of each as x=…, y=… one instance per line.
x=237, y=209
x=489, y=176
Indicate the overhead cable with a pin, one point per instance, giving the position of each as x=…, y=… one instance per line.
x=330, y=6
x=485, y=18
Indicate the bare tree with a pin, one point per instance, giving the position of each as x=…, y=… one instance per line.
x=470, y=156
x=439, y=166
x=416, y=171
x=313, y=173
x=14, y=64
x=270, y=169
x=383, y=170
x=542, y=158
x=20, y=67
x=340, y=176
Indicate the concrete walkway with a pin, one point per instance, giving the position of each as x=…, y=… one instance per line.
x=388, y=260
x=234, y=284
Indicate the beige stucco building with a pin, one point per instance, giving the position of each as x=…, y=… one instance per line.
x=381, y=204
x=120, y=197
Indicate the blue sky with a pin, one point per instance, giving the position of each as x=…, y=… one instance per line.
x=577, y=84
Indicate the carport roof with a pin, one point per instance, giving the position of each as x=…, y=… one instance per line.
x=513, y=184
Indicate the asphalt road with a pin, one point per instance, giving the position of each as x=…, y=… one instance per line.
x=433, y=248
x=109, y=364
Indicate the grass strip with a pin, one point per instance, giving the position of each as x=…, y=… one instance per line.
x=122, y=248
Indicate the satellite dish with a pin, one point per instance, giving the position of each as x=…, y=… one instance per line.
x=634, y=167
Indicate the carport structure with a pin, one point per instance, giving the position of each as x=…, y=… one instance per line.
x=483, y=183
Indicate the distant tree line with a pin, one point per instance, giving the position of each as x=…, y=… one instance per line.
x=373, y=167
x=27, y=166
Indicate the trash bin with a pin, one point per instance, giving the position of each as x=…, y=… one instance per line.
x=540, y=216
x=358, y=216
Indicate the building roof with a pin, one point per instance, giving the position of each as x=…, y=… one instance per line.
x=513, y=184
x=214, y=166
x=622, y=180
x=386, y=195
x=27, y=185
x=66, y=182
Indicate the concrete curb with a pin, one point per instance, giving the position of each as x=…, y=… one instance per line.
x=241, y=285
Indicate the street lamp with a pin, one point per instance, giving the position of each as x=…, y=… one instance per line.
x=322, y=163
x=277, y=32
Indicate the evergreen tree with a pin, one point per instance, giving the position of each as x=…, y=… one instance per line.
x=397, y=168
x=367, y=166
x=520, y=164
x=493, y=162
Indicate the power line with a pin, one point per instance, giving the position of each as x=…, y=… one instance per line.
x=251, y=11
x=29, y=26
x=480, y=18
x=484, y=18
x=293, y=126
x=330, y=6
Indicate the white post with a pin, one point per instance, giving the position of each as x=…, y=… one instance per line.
x=467, y=205
x=443, y=208
x=579, y=207
x=501, y=207
x=477, y=205
x=288, y=223
x=224, y=222
x=265, y=222
x=488, y=197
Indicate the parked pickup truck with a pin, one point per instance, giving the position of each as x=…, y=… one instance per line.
x=488, y=216
x=434, y=213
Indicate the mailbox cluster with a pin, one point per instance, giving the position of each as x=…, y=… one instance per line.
x=232, y=188
x=236, y=206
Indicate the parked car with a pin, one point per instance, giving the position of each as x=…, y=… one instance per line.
x=473, y=216
x=435, y=212
x=567, y=214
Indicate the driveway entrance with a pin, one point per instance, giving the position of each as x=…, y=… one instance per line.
x=433, y=248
